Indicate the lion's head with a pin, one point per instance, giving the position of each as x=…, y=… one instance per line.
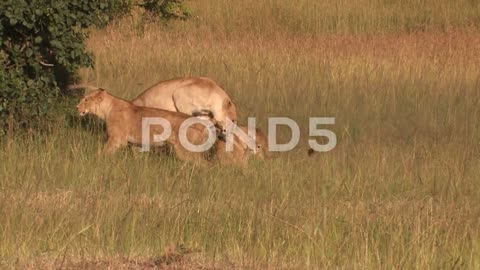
x=261, y=139
x=230, y=111
x=261, y=144
x=92, y=103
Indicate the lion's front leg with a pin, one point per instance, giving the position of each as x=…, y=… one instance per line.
x=113, y=144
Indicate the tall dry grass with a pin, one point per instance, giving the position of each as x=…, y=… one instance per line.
x=400, y=190
x=270, y=17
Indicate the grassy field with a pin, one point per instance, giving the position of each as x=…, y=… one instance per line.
x=400, y=190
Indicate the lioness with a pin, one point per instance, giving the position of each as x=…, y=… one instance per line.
x=241, y=152
x=193, y=96
x=124, y=123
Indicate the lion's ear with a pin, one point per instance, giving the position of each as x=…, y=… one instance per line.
x=227, y=104
x=101, y=94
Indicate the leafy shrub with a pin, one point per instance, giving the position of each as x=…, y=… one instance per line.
x=42, y=46
x=166, y=9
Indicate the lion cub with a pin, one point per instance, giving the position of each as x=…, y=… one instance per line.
x=124, y=124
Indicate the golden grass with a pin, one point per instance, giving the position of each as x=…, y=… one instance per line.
x=312, y=17
x=400, y=190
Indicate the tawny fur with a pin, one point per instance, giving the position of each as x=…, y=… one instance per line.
x=192, y=95
x=124, y=123
x=241, y=152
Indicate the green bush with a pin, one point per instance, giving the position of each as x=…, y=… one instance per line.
x=42, y=45
x=41, y=48
x=166, y=9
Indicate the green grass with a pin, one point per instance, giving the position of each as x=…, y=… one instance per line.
x=400, y=190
